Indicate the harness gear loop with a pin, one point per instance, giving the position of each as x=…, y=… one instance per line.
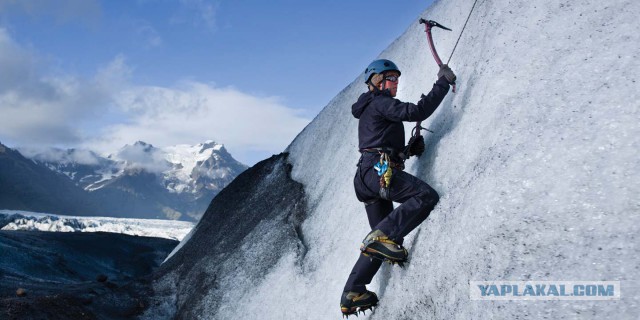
x=384, y=168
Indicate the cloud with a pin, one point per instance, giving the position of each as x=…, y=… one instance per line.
x=148, y=33
x=199, y=13
x=61, y=156
x=115, y=75
x=143, y=156
x=44, y=109
x=17, y=65
x=107, y=111
x=196, y=112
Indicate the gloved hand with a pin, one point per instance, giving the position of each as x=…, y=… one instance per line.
x=416, y=146
x=446, y=72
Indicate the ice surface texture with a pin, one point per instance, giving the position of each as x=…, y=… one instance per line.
x=247, y=229
x=535, y=157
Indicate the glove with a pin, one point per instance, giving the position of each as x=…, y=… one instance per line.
x=446, y=72
x=416, y=146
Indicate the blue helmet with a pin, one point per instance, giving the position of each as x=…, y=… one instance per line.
x=379, y=66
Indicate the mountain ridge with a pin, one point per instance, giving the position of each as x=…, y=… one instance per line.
x=139, y=180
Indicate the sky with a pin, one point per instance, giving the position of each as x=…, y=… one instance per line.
x=249, y=74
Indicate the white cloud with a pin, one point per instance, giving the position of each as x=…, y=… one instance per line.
x=62, y=156
x=200, y=13
x=115, y=75
x=143, y=156
x=107, y=111
x=17, y=65
x=197, y=112
x=42, y=109
x=148, y=33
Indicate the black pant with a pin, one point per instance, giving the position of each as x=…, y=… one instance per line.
x=417, y=198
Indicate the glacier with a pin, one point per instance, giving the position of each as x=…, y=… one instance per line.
x=535, y=158
x=36, y=221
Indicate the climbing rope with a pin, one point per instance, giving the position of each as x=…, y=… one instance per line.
x=465, y=25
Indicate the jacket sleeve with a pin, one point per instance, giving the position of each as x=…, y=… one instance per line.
x=407, y=111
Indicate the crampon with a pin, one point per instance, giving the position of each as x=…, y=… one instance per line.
x=352, y=303
x=346, y=312
x=377, y=245
x=400, y=264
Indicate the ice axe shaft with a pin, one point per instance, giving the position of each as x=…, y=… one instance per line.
x=428, y=24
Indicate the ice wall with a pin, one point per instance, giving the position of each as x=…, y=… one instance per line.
x=535, y=159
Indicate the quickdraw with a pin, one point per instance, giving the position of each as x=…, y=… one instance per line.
x=383, y=167
x=384, y=170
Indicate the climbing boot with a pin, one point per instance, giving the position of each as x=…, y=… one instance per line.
x=377, y=245
x=355, y=302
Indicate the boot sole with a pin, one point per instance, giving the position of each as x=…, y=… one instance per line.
x=381, y=256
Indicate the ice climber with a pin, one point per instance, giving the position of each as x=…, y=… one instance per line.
x=380, y=179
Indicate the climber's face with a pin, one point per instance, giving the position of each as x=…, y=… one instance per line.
x=390, y=82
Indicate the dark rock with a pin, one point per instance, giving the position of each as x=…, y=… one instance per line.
x=101, y=278
x=264, y=206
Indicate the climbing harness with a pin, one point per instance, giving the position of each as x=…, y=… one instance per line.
x=384, y=167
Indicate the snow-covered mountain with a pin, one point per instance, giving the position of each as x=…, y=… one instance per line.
x=535, y=158
x=31, y=221
x=27, y=185
x=180, y=168
x=140, y=180
x=83, y=167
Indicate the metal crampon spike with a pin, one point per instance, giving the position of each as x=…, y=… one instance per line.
x=363, y=309
x=347, y=312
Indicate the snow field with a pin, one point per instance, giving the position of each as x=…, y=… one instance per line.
x=170, y=229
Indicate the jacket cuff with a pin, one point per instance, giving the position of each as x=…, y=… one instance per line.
x=442, y=81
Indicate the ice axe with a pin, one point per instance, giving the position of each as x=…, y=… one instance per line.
x=428, y=24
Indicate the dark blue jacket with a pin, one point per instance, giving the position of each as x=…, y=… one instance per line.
x=381, y=115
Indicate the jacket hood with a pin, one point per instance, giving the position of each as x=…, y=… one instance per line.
x=364, y=100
